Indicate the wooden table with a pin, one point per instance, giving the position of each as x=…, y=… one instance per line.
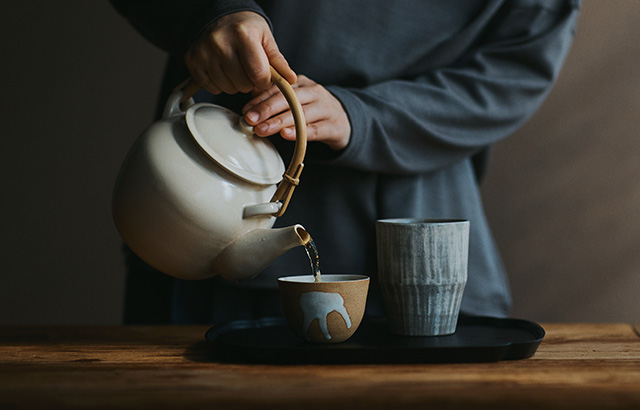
x=578, y=366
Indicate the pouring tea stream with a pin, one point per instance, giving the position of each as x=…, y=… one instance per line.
x=198, y=193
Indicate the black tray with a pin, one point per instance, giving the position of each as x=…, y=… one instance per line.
x=477, y=339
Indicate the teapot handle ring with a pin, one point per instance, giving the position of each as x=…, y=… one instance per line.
x=291, y=176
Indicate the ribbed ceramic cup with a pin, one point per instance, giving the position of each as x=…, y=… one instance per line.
x=422, y=269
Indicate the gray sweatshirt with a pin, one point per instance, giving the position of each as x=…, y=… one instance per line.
x=427, y=85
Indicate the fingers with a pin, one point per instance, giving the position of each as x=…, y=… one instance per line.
x=271, y=101
x=269, y=112
x=277, y=60
x=255, y=66
x=325, y=117
x=199, y=75
x=226, y=74
x=277, y=116
x=219, y=79
x=235, y=55
x=329, y=131
x=260, y=97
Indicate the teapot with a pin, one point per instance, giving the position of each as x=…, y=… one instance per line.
x=198, y=193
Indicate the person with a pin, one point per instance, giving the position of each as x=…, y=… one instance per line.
x=402, y=102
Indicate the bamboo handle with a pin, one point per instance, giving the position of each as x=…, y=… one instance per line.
x=291, y=176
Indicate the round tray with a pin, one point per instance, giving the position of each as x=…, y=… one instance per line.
x=477, y=339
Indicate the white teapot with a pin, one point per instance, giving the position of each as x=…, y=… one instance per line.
x=196, y=195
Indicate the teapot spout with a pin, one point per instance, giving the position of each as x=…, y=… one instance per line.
x=252, y=252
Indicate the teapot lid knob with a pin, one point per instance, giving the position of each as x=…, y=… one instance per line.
x=245, y=128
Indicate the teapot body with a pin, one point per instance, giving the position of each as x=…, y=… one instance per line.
x=176, y=208
x=198, y=192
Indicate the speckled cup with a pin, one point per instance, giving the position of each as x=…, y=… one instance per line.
x=422, y=269
x=324, y=312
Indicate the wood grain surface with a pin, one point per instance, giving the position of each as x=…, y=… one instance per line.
x=584, y=366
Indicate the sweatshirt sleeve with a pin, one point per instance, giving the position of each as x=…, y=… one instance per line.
x=421, y=124
x=174, y=25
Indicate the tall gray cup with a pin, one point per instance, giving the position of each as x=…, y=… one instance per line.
x=422, y=269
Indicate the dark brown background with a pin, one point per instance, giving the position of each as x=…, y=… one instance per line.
x=79, y=84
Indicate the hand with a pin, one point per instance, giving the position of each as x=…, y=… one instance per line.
x=327, y=122
x=234, y=53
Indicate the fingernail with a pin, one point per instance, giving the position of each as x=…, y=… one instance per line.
x=262, y=128
x=288, y=131
x=253, y=116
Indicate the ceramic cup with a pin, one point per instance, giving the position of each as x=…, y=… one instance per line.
x=422, y=269
x=324, y=312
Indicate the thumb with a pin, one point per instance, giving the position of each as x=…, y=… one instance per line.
x=277, y=60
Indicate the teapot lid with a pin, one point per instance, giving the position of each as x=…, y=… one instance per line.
x=231, y=143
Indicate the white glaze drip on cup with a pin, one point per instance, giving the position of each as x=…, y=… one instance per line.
x=318, y=305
